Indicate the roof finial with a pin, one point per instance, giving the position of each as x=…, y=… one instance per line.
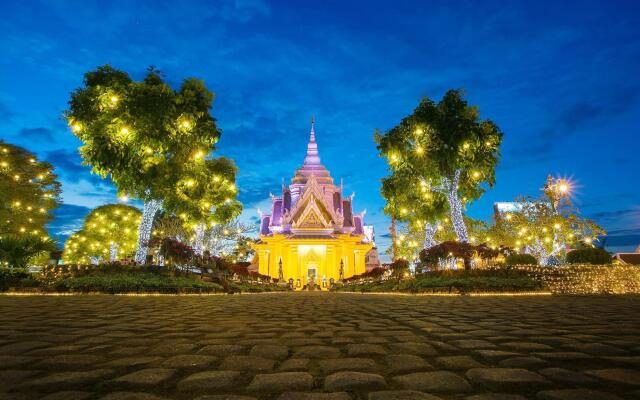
x=313, y=133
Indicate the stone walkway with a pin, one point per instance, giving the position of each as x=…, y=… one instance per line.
x=319, y=346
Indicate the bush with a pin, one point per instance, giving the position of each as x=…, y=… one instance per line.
x=10, y=277
x=139, y=283
x=589, y=256
x=521, y=259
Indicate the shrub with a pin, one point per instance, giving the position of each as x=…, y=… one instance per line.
x=17, y=251
x=139, y=283
x=591, y=255
x=521, y=259
x=10, y=277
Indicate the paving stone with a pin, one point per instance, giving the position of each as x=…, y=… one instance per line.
x=15, y=361
x=523, y=362
x=281, y=382
x=567, y=356
x=506, y=378
x=458, y=363
x=354, y=381
x=312, y=334
x=221, y=350
x=317, y=352
x=146, y=377
x=365, y=350
x=576, y=394
x=494, y=355
x=68, y=395
x=401, y=395
x=527, y=346
x=209, y=380
x=132, y=396
x=273, y=352
x=70, y=360
x=436, y=381
x=473, y=344
x=295, y=364
x=402, y=363
x=132, y=361
x=496, y=396
x=314, y=396
x=418, y=349
x=189, y=361
x=566, y=376
x=597, y=349
x=247, y=363
x=347, y=364
x=62, y=380
x=627, y=377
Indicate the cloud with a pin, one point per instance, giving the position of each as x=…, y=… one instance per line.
x=38, y=134
x=5, y=112
x=68, y=165
x=68, y=218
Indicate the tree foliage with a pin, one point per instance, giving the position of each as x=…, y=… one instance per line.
x=29, y=191
x=590, y=255
x=109, y=232
x=536, y=227
x=441, y=155
x=156, y=144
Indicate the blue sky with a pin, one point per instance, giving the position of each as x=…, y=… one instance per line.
x=560, y=79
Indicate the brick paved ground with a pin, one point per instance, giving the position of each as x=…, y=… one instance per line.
x=319, y=346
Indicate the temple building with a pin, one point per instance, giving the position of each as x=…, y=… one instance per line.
x=312, y=237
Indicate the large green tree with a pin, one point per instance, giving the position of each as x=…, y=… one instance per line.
x=447, y=150
x=149, y=138
x=109, y=233
x=29, y=191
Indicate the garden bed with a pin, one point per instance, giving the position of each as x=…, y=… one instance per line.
x=568, y=279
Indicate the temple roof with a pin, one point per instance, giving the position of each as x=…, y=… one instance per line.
x=312, y=164
x=312, y=206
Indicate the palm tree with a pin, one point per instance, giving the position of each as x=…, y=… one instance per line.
x=18, y=250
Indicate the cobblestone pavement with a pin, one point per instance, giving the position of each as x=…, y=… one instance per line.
x=319, y=346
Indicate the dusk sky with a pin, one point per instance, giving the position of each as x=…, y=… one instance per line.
x=562, y=81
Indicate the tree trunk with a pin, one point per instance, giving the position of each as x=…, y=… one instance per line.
x=113, y=252
x=197, y=245
x=429, y=235
x=394, y=245
x=149, y=211
x=456, y=208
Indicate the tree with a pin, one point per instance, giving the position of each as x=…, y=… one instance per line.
x=448, y=150
x=409, y=203
x=109, y=233
x=229, y=240
x=29, y=191
x=544, y=227
x=151, y=140
x=410, y=240
x=18, y=250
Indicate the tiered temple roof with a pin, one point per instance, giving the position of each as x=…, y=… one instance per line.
x=312, y=206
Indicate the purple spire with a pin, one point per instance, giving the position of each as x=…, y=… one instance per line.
x=312, y=158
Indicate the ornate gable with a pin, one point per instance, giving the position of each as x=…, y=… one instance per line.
x=311, y=212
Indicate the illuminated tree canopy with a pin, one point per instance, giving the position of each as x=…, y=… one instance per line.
x=546, y=227
x=155, y=143
x=29, y=191
x=443, y=150
x=109, y=233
